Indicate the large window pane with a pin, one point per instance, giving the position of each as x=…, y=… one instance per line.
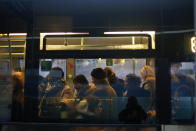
x=68, y=97
x=182, y=90
x=12, y=48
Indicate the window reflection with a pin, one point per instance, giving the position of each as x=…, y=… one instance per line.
x=96, y=90
x=182, y=89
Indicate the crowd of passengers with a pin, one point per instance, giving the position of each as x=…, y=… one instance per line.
x=83, y=102
x=105, y=85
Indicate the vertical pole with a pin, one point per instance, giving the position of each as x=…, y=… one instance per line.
x=31, y=74
x=163, y=91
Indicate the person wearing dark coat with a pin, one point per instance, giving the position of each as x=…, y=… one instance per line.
x=133, y=113
x=116, y=83
x=132, y=85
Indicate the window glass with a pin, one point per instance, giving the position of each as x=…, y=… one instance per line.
x=97, y=90
x=99, y=43
x=12, y=48
x=182, y=89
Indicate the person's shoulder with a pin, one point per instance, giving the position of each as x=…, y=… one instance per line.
x=112, y=91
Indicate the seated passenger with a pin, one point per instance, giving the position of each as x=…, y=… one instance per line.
x=132, y=85
x=101, y=87
x=56, y=85
x=81, y=85
x=116, y=83
x=133, y=113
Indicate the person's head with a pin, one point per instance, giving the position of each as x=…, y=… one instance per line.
x=56, y=73
x=132, y=81
x=132, y=101
x=18, y=80
x=147, y=71
x=98, y=76
x=80, y=81
x=175, y=68
x=110, y=75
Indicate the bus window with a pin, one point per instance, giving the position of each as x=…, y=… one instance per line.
x=182, y=89
x=131, y=42
x=96, y=90
x=12, y=65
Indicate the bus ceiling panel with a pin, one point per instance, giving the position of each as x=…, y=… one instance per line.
x=99, y=54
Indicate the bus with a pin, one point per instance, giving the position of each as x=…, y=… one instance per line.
x=130, y=37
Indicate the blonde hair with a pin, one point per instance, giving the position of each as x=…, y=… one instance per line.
x=147, y=71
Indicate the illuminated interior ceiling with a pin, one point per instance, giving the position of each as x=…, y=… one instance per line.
x=136, y=40
x=12, y=44
x=42, y=35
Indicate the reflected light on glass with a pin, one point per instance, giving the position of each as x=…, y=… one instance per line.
x=193, y=44
x=151, y=33
x=42, y=35
x=17, y=34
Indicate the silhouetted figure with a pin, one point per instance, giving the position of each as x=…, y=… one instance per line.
x=132, y=85
x=116, y=83
x=133, y=113
x=18, y=96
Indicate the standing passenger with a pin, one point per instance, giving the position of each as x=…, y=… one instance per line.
x=18, y=96
x=81, y=85
x=101, y=85
x=148, y=77
x=132, y=85
x=116, y=83
x=56, y=86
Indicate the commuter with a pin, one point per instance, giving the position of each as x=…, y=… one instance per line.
x=179, y=79
x=57, y=94
x=132, y=85
x=116, y=83
x=81, y=85
x=148, y=77
x=101, y=87
x=133, y=113
x=56, y=85
x=18, y=96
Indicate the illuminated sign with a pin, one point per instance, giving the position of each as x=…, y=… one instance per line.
x=193, y=44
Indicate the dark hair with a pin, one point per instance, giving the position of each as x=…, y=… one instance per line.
x=81, y=79
x=133, y=79
x=110, y=75
x=132, y=101
x=98, y=73
x=56, y=72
